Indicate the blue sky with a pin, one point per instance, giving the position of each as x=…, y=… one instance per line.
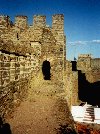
x=82, y=20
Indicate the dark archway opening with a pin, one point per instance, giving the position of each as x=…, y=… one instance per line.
x=46, y=70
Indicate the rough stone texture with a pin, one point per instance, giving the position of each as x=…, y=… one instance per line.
x=13, y=82
x=4, y=21
x=52, y=41
x=44, y=111
x=39, y=21
x=74, y=89
x=89, y=66
x=95, y=63
x=21, y=22
x=93, y=75
x=84, y=62
x=71, y=88
x=23, y=50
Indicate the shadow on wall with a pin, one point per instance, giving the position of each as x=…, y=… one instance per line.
x=4, y=127
x=64, y=117
x=88, y=92
x=46, y=70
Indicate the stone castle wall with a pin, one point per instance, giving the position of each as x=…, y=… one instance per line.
x=51, y=39
x=90, y=66
x=86, y=72
x=95, y=63
x=71, y=85
x=15, y=73
x=23, y=49
x=16, y=68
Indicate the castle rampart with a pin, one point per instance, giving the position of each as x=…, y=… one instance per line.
x=25, y=49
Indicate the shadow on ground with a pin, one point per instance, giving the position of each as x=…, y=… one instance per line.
x=4, y=127
x=89, y=92
x=64, y=118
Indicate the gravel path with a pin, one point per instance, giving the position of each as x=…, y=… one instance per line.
x=40, y=114
x=43, y=115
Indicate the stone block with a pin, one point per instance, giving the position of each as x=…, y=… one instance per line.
x=1, y=56
x=5, y=73
x=5, y=81
x=6, y=57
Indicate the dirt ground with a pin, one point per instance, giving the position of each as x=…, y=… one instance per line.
x=41, y=115
x=43, y=112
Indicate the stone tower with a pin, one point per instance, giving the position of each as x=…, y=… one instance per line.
x=53, y=47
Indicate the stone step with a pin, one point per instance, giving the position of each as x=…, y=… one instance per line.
x=90, y=121
x=89, y=113
x=90, y=117
x=90, y=109
x=87, y=119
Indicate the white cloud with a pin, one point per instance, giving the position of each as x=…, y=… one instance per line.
x=96, y=41
x=84, y=42
x=77, y=43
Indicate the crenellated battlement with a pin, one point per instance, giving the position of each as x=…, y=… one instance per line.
x=21, y=21
x=27, y=51
x=50, y=44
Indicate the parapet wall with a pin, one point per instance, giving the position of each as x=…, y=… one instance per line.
x=20, y=36
x=71, y=88
x=23, y=49
x=90, y=66
x=12, y=77
x=95, y=63
x=16, y=67
x=21, y=21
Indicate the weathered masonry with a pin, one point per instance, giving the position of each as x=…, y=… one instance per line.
x=26, y=50
x=48, y=43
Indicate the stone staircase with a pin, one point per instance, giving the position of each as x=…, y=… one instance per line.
x=89, y=114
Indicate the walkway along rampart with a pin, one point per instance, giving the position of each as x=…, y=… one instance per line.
x=26, y=49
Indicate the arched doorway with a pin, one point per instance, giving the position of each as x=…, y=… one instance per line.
x=46, y=70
